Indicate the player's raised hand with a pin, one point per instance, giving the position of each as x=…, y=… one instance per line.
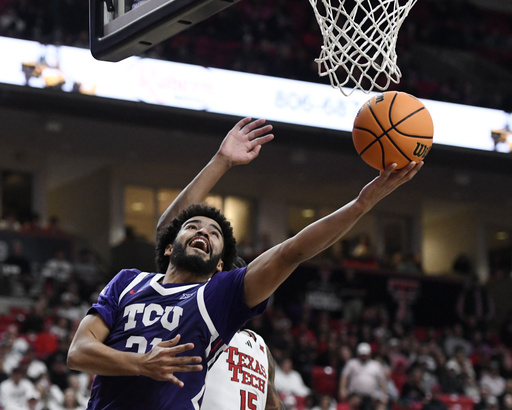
x=387, y=181
x=161, y=362
x=243, y=143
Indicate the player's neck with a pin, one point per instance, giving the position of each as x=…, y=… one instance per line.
x=174, y=275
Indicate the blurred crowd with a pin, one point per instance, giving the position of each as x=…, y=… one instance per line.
x=316, y=343
x=335, y=347
x=282, y=38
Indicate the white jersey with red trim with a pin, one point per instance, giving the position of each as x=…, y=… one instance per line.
x=238, y=380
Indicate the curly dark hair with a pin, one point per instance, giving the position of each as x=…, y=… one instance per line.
x=169, y=233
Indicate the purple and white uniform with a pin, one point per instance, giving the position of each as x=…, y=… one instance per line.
x=142, y=312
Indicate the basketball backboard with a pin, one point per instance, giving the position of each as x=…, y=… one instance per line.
x=116, y=31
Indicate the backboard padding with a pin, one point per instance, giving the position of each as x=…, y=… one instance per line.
x=132, y=33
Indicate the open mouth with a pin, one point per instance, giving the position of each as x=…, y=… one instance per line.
x=200, y=243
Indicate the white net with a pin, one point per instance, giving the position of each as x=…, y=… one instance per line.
x=360, y=36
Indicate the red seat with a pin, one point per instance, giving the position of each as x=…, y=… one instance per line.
x=454, y=401
x=324, y=380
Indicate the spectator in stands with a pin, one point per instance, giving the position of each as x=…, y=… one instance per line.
x=303, y=355
x=289, y=383
x=461, y=363
x=434, y=402
x=36, y=317
x=16, y=347
x=452, y=382
x=71, y=401
x=475, y=306
x=60, y=327
x=353, y=293
x=18, y=267
x=395, y=354
x=391, y=387
x=505, y=330
x=81, y=390
x=33, y=225
x=363, y=249
x=323, y=292
x=487, y=402
x=88, y=272
x=326, y=402
x=51, y=394
x=429, y=377
x=506, y=396
x=57, y=365
x=410, y=263
x=10, y=223
x=492, y=380
x=71, y=306
x=365, y=377
x=454, y=338
x=53, y=226
x=16, y=391
x=133, y=250
x=412, y=391
x=471, y=388
x=35, y=367
x=57, y=271
x=463, y=266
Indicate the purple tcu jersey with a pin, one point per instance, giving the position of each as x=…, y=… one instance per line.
x=142, y=312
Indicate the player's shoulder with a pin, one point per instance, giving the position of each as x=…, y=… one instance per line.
x=126, y=276
x=251, y=334
x=227, y=277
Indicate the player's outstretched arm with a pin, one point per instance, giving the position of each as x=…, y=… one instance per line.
x=240, y=146
x=270, y=269
x=89, y=354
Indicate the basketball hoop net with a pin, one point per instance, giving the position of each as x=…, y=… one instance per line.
x=360, y=40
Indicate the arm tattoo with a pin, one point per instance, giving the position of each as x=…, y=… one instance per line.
x=273, y=400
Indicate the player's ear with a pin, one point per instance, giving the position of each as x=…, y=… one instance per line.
x=220, y=266
x=168, y=250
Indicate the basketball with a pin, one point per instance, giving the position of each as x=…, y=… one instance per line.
x=393, y=127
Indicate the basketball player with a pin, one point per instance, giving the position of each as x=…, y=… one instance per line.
x=233, y=384
x=139, y=315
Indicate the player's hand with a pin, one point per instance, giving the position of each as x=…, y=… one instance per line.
x=243, y=143
x=387, y=182
x=161, y=362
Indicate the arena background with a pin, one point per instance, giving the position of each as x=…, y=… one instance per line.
x=80, y=152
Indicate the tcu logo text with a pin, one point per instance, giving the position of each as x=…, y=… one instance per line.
x=169, y=319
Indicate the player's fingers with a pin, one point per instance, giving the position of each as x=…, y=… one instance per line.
x=407, y=169
x=173, y=379
x=180, y=348
x=170, y=343
x=242, y=123
x=389, y=170
x=187, y=368
x=248, y=128
x=414, y=170
x=246, y=123
x=261, y=140
x=254, y=134
x=182, y=360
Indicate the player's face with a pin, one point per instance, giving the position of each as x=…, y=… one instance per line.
x=198, y=246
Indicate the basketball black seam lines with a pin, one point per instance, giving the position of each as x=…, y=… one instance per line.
x=385, y=132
